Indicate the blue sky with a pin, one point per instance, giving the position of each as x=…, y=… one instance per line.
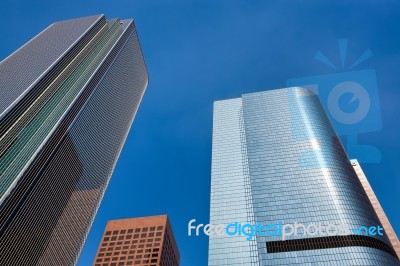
x=201, y=51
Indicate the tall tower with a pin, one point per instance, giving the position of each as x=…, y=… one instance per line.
x=277, y=160
x=67, y=101
x=391, y=234
x=145, y=241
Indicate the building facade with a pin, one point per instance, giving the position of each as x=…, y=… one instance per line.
x=391, y=234
x=145, y=241
x=277, y=162
x=67, y=101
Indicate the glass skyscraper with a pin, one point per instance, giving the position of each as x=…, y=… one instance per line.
x=276, y=160
x=67, y=101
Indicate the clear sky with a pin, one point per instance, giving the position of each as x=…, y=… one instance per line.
x=201, y=51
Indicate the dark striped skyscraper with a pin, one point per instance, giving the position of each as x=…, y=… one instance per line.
x=67, y=101
x=281, y=178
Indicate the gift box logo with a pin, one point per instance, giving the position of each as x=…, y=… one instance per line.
x=351, y=101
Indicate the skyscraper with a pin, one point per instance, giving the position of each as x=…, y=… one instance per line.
x=278, y=165
x=67, y=100
x=391, y=234
x=146, y=241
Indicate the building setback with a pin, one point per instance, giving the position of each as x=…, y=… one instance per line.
x=67, y=101
x=145, y=241
x=277, y=159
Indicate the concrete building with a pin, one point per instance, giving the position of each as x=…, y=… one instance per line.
x=145, y=241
